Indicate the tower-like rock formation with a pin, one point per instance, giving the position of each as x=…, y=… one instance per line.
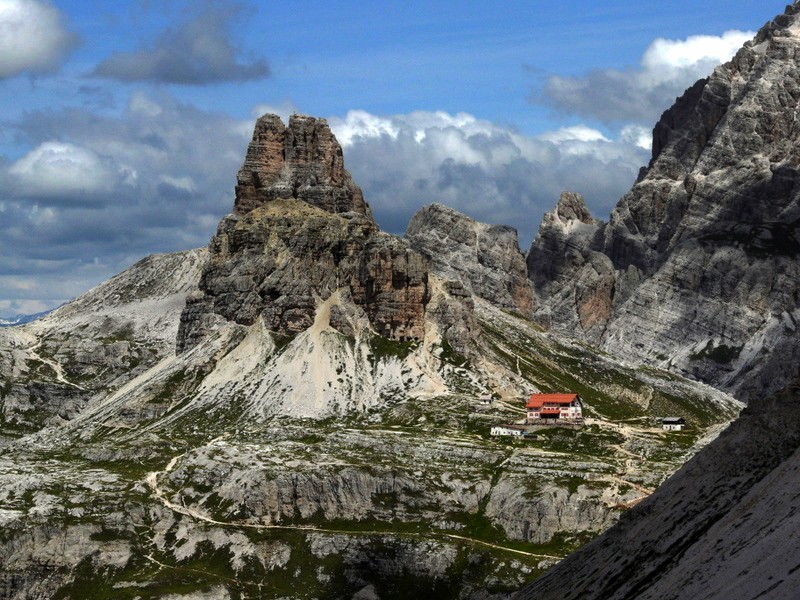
x=301, y=231
x=303, y=161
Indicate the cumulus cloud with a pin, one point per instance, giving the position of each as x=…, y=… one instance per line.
x=641, y=94
x=110, y=190
x=64, y=172
x=33, y=37
x=491, y=173
x=161, y=175
x=199, y=51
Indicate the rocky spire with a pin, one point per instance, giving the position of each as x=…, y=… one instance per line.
x=572, y=207
x=300, y=233
x=303, y=161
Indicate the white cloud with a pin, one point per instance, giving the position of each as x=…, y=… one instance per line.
x=641, y=94
x=576, y=133
x=695, y=50
x=637, y=135
x=64, y=171
x=32, y=37
x=361, y=124
x=12, y=308
x=490, y=172
x=179, y=183
x=156, y=178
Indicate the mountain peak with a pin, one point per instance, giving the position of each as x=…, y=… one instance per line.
x=572, y=207
x=301, y=160
x=709, y=229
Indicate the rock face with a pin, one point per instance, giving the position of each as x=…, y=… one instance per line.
x=712, y=229
x=302, y=160
x=485, y=258
x=573, y=281
x=52, y=367
x=697, y=267
x=299, y=232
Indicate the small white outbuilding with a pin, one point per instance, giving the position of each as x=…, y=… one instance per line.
x=673, y=423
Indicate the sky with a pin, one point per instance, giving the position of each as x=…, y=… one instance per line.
x=122, y=124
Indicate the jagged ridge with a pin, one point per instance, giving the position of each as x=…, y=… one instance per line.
x=697, y=268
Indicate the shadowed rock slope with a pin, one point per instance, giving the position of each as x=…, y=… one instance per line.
x=725, y=526
x=697, y=269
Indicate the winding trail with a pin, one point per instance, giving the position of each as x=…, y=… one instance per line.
x=56, y=366
x=151, y=479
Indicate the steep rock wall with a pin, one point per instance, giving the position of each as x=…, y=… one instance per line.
x=485, y=258
x=697, y=268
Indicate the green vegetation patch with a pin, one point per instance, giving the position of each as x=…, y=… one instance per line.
x=384, y=348
x=175, y=384
x=592, y=440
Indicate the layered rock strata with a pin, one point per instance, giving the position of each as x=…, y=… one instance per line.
x=697, y=267
x=301, y=231
x=574, y=282
x=300, y=160
x=485, y=258
x=279, y=260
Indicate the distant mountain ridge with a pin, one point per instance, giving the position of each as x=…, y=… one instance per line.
x=21, y=319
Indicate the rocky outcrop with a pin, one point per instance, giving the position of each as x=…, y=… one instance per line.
x=279, y=261
x=537, y=518
x=485, y=258
x=51, y=368
x=300, y=231
x=575, y=283
x=302, y=160
x=697, y=267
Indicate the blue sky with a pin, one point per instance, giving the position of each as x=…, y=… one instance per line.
x=123, y=123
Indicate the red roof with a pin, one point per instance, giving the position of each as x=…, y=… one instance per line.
x=550, y=411
x=538, y=400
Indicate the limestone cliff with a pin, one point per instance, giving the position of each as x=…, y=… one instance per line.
x=574, y=282
x=302, y=160
x=299, y=232
x=697, y=268
x=485, y=258
x=712, y=230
